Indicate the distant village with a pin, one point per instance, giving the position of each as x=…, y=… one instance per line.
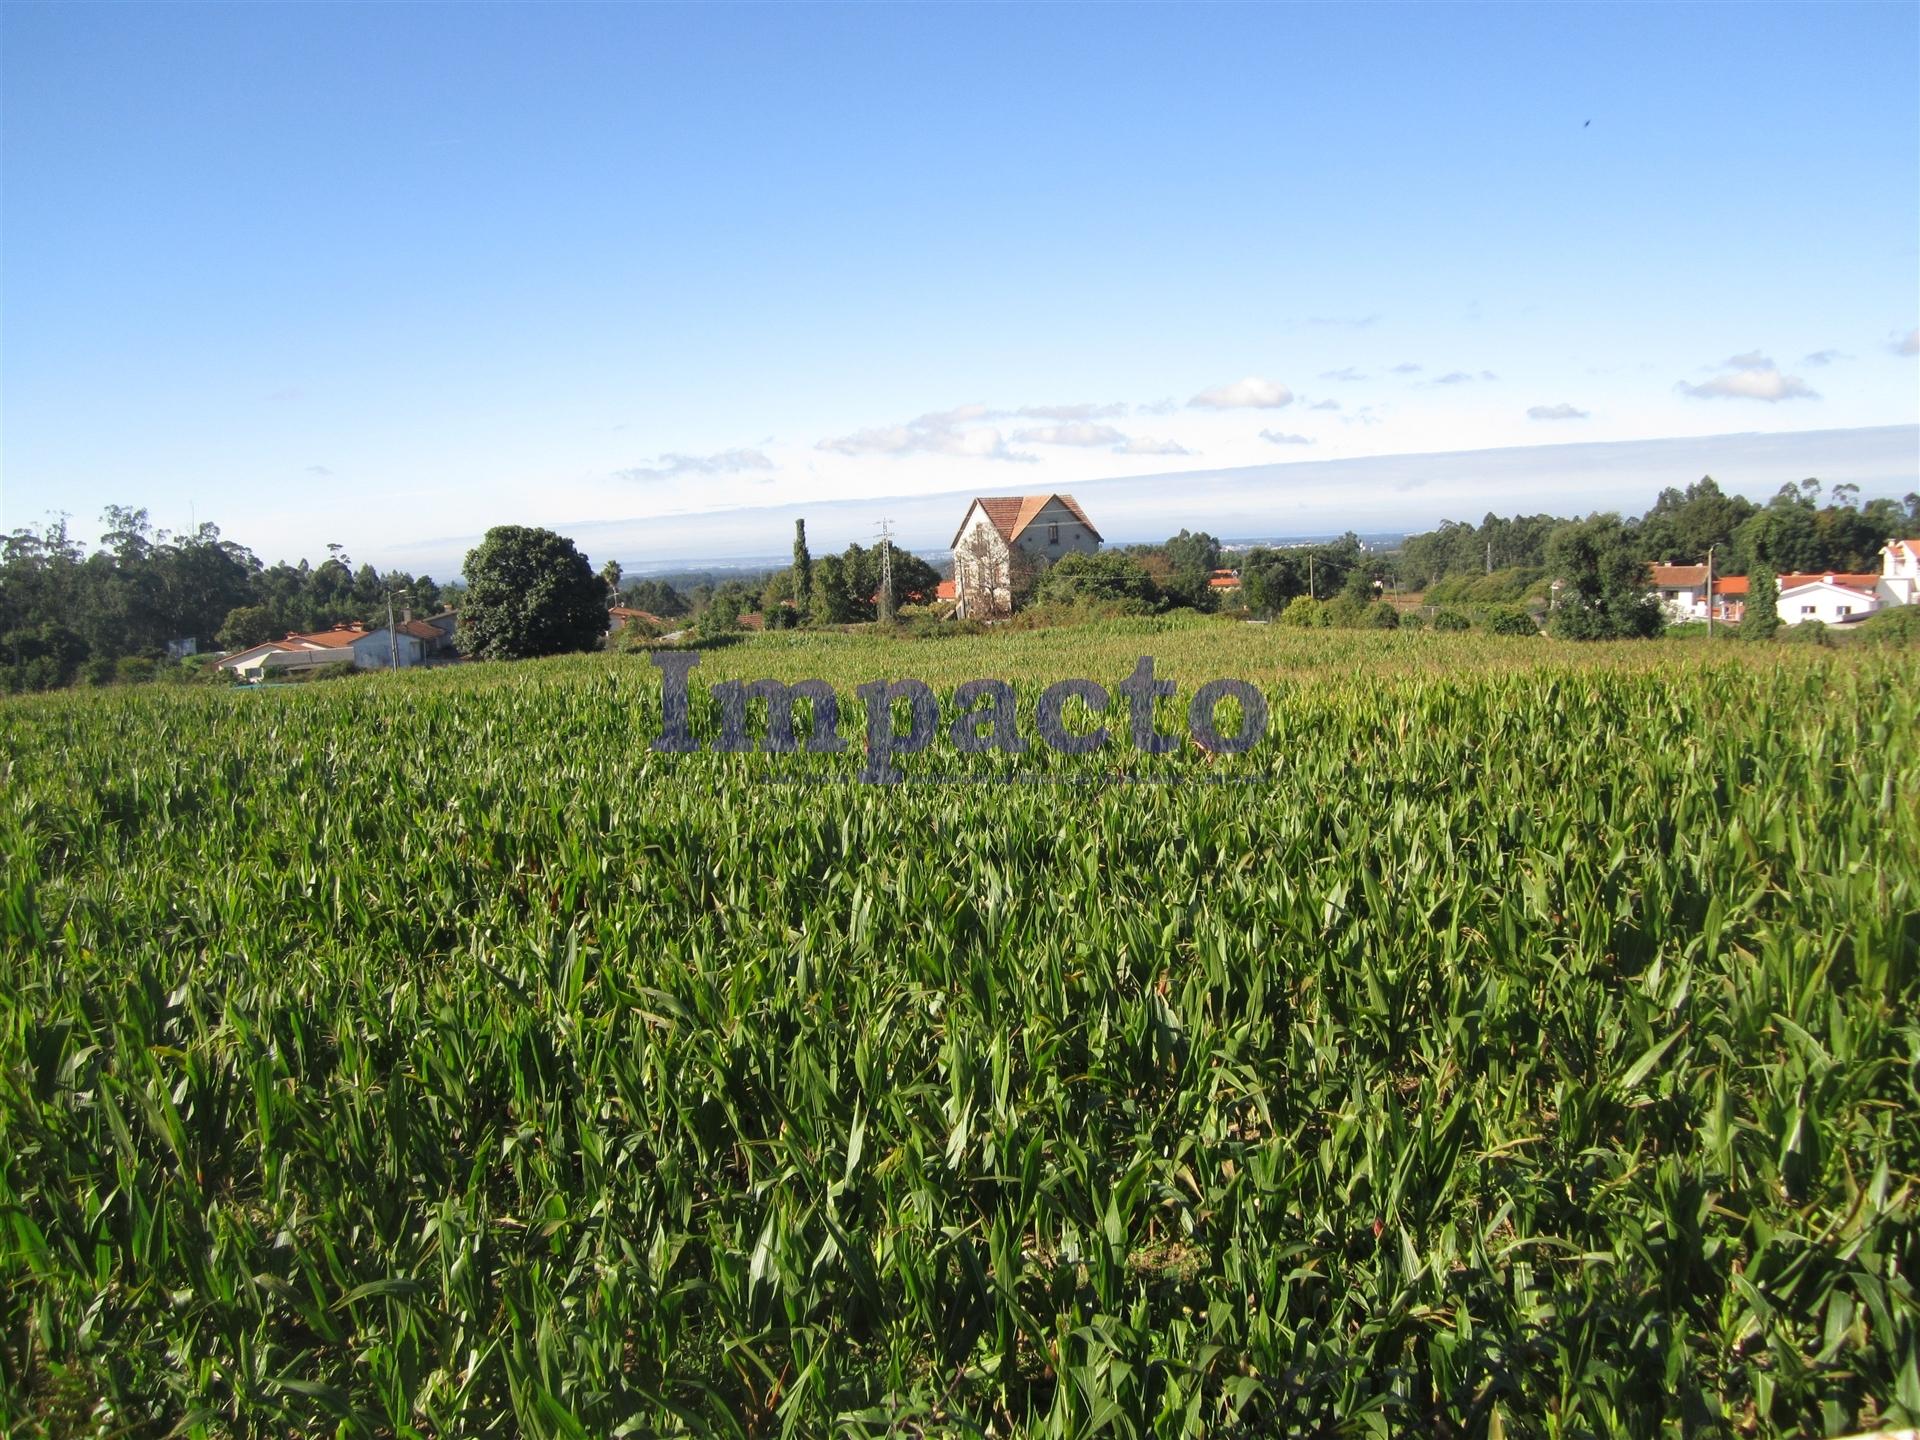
x=150, y=605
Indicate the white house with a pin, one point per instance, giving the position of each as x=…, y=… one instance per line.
x=365, y=649
x=1899, y=573
x=1830, y=598
x=1001, y=533
x=1681, y=591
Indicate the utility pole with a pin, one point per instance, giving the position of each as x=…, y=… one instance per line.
x=1709, y=592
x=393, y=642
x=886, y=571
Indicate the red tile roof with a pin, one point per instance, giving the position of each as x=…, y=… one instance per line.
x=1731, y=585
x=1830, y=577
x=946, y=590
x=420, y=630
x=1011, y=514
x=1678, y=577
x=334, y=639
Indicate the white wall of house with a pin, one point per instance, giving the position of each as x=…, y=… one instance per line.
x=980, y=585
x=1829, y=604
x=371, y=652
x=249, y=664
x=1055, y=532
x=1683, y=603
x=1899, y=573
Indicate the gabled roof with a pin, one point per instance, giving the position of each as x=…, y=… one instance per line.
x=1829, y=577
x=1678, y=577
x=335, y=639
x=946, y=590
x=252, y=650
x=1730, y=585
x=1011, y=514
x=420, y=630
x=1912, y=547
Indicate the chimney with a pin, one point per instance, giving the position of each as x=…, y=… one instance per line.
x=406, y=614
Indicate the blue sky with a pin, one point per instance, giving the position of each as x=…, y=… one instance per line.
x=386, y=275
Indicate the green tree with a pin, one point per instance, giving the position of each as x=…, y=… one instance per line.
x=1605, y=594
x=657, y=597
x=1108, y=578
x=1269, y=579
x=721, y=615
x=610, y=574
x=1761, y=617
x=530, y=592
x=831, y=603
x=246, y=626
x=1193, y=553
x=802, y=583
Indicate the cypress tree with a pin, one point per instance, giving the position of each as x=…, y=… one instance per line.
x=802, y=566
x=1761, y=617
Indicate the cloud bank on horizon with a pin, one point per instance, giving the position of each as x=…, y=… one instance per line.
x=1387, y=493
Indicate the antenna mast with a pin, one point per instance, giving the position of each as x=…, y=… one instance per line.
x=886, y=571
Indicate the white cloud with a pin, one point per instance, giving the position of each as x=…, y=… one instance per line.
x=1556, y=412
x=1157, y=407
x=1146, y=445
x=1907, y=344
x=1752, y=376
x=1071, y=412
x=1407, y=367
x=1349, y=373
x=940, y=432
x=318, y=470
x=1454, y=377
x=671, y=466
x=1324, y=405
x=1276, y=437
x=1824, y=357
x=1252, y=393
x=1077, y=432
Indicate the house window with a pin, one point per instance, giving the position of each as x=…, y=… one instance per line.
x=1053, y=532
x=1806, y=609
x=1846, y=609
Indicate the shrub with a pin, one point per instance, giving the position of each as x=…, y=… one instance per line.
x=1808, y=632
x=1451, y=620
x=1510, y=620
x=1413, y=620
x=1305, y=613
x=133, y=669
x=1381, y=616
x=1501, y=586
x=1896, y=625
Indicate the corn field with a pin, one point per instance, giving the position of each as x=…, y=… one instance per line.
x=1521, y=1041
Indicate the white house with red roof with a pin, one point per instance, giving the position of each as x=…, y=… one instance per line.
x=1000, y=533
x=412, y=641
x=1831, y=597
x=1899, y=573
